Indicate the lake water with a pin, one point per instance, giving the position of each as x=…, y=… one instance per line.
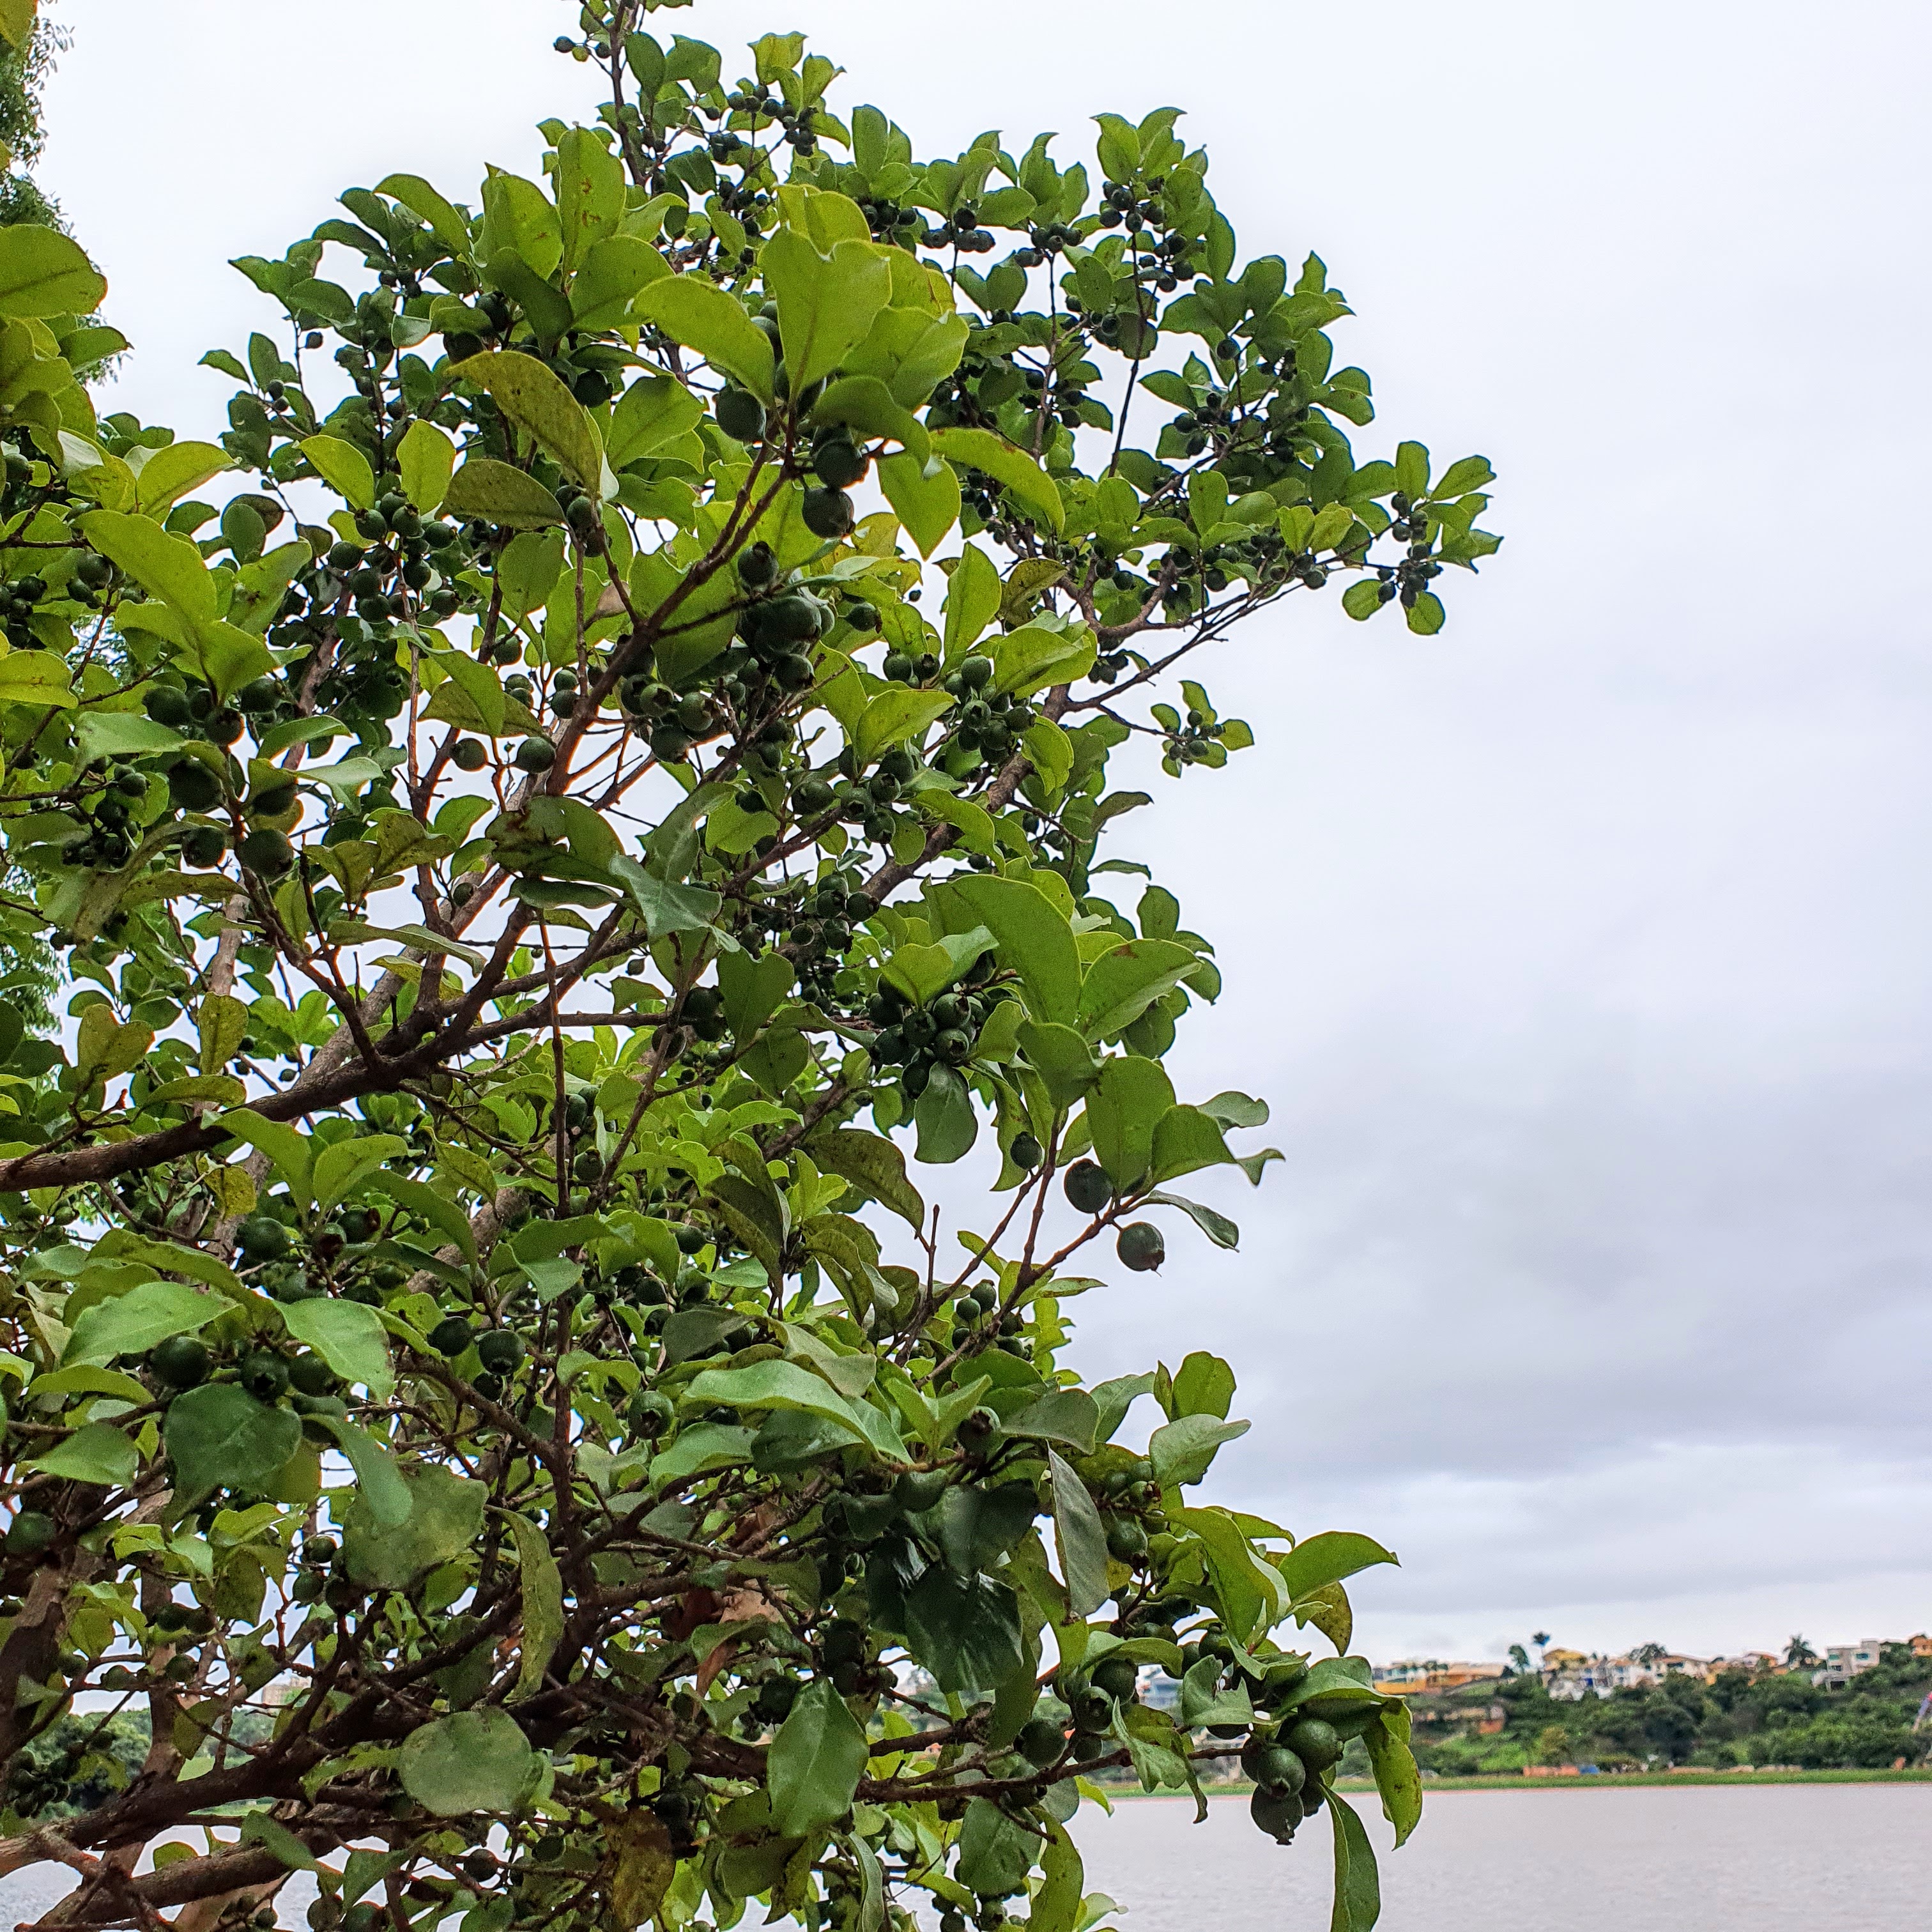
x=1782, y=1858
x=1785, y=1857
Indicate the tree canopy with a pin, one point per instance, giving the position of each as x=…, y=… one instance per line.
x=617, y=761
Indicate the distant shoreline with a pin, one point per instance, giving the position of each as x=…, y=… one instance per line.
x=1604, y=1781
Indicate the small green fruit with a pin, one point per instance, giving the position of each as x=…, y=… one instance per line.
x=180, y=1361
x=30, y=1533
x=451, y=1335
x=1276, y=1812
x=1040, y=1741
x=535, y=754
x=266, y=852
x=827, y=513
x=1087, y=1186
x=740, y=416
x=469, y=755
x=1141, y=1246
x=264, y=1374
x=192, y=787
x=1316, y=1743
x=262, y=1238
x=918, y=1490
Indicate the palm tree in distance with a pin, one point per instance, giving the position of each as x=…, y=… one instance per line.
x=1520, y=1658
x=1798, y=1653
x=1541, y=1640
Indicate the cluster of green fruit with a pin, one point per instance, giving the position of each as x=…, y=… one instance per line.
x=940, y=1033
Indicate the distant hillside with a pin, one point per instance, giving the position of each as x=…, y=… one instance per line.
x=1765, y=1717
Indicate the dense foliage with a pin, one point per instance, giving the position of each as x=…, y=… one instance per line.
x=481, y=1375
x=1769, y=1716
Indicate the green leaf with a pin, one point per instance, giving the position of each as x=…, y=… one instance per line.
x=479, y=683
x=349, y=1337
x=424, y=202
x=379, y=1484
x=169, y=474
x=965, y=1630
x=469, y=1761
x=446, y=1517
x=1245, y=1597
x=922, y=973
x=1035, y=939
x=218, y=1436
x=1204, y=1385
x=1180, y=1450
x=894, y=716
x=1362, y=600
x=826, y=303
x=873, y=1164
x=1036, y=655
x=343, y=468
x=1131, y=1095
x=1070, y=1416
x=339, y=1170
x=426, y=457
x=1426, y=616
x=99, y=1453
x=1121, y=984
x=44, y=272
x=1328, y=1558
x=1203, y=1701
x=542, y=1585
x=35, y=677
x=119, y=734
x=131, y=1324
x=612, y=272
x=1411, y=469
x=653, y=411
x=701, y=316
x=17, y=21
x=864, y=402
x=1078, y=1541
x=973, y=592
x=1397, y=1777
x=926, y=501
x=948, y=1124
x=1010, y=467
x=995, y=1854
x=1470, y=472
x=1056, y=1905
x=1219, y=1229
x=532, y=396
x=667, y=908
x=169, y=568
x=1186, y=1139
x=434, y=1206
x=497, y=492
x=783, y=1385
x=1358, y=1892
x=815, y=1762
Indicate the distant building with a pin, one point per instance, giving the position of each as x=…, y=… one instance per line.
x=1160, y=1691
x=1921, y=1645
x=1411, y=1678
x=1844, y=1661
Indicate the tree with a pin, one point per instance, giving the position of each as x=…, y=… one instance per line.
x=1648, y=1653
x=26, y=57
x=457, y=1316
x=1799, y=1655
x=1519, y=1657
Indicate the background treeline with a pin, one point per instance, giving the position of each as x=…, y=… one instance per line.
x=1771, y=1716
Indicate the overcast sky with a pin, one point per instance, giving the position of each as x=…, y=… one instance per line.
x=1582, y=949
